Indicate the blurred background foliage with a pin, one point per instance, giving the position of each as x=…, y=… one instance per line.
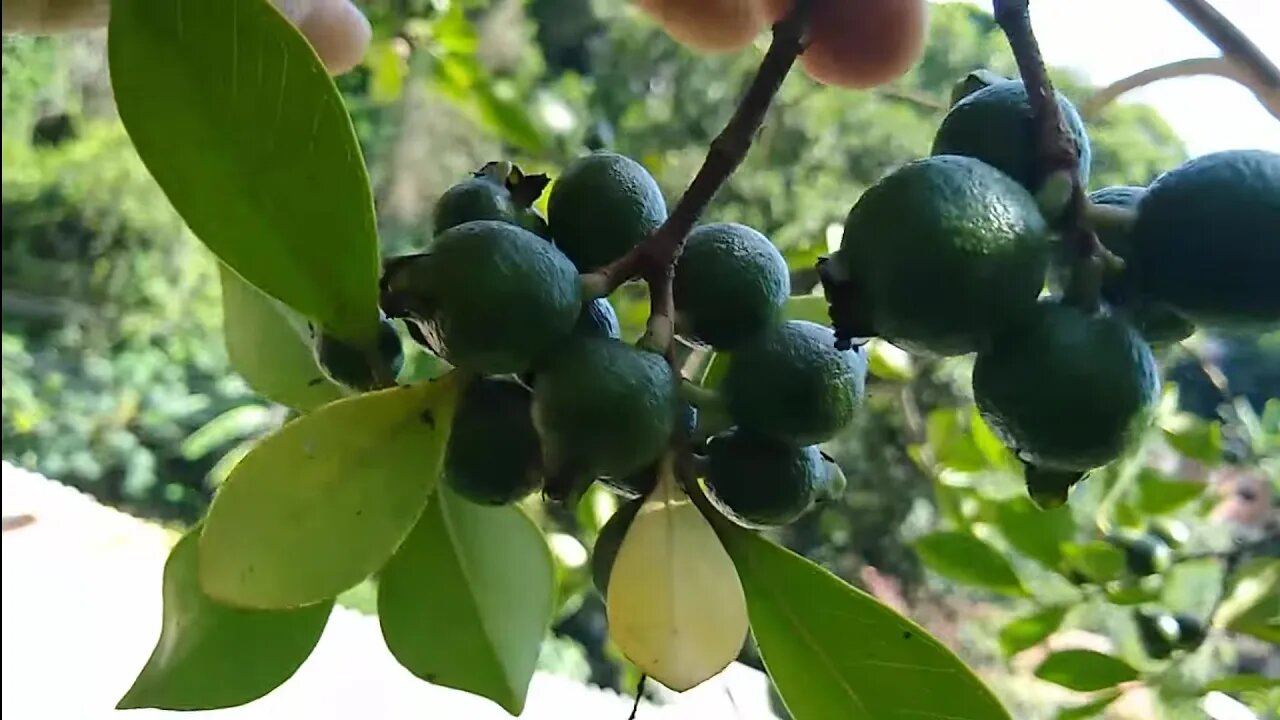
x=116, y=379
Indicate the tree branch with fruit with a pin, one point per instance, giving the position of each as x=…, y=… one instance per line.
x=522, y=382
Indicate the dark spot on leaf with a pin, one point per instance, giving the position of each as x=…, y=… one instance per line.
x=428, y=418
x=315, y=381
x=906, y=635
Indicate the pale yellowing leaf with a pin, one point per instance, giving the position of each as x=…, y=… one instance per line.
x=675, y=603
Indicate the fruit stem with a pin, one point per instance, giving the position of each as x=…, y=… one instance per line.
x=655, y=258
x=1056, y=149
x=1110, y=217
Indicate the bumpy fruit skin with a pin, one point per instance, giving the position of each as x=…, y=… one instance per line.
x=707, y=25
x=1156, y=322
x=793, y=385
x=859, y=43
x=350, y=366
x=642, y=482
x=607, y=543
x=939, y=255
x=995, y=125
x=489, y=296
x=759, y=482
x=475, y=199
x=730, y=284
x=1067, y=390
x=603, y=407
x=602, y=206
x=1207, y=239
x=598, y=319
x=481, y=198
x=493, y=457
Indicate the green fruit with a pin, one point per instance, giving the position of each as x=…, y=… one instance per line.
x=532, y=220
x=355, y=368
x=608, y=541
x=1206, y=240
x=1067, y=390
x=994, y=124
x=493, y=457
x=833, y=483
x=641, y=482
x=938, y=256
x=598, y=319
x=601, y=207
x=1156, y=633
x=486, y=196
x=603, y=407
x=973, y=82
x=489, y=297
x=730, y=284
x=1143, y=554
x=1156, y=323
x=632, y=485
x=1048, y=488
x=759, y=482
x=793, y=385
x=1191, y=632
x=479, y=198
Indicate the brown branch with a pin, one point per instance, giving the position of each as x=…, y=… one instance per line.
x=1220, y=66
x=654, y=259
x=1233, y=43
x=1055, y=146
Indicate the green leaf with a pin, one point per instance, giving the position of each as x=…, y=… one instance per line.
x=212, y=656
x=466, y=600
x=812, y=308
x=1085, y=670
x=237, y=423
x=965, y=559
x=986, y=441
x=1038, y=534
x=1193, y=587
x=1099, y=561
x=269, y=349
x=1252, y=606
x=238, y=121
x=835, y=652
x=1030, y=630
x=324, y=502
x=1132, y=593
x=951, y=443
x=1241, y=683
x=1197, y=439
x=889, y=362
x=1158, y=495
x=1089, y=709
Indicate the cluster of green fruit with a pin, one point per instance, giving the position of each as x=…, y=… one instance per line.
x=557, y=400
x=561, y=400
x=951, y=254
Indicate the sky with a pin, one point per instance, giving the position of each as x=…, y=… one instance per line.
x=1109, y=39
